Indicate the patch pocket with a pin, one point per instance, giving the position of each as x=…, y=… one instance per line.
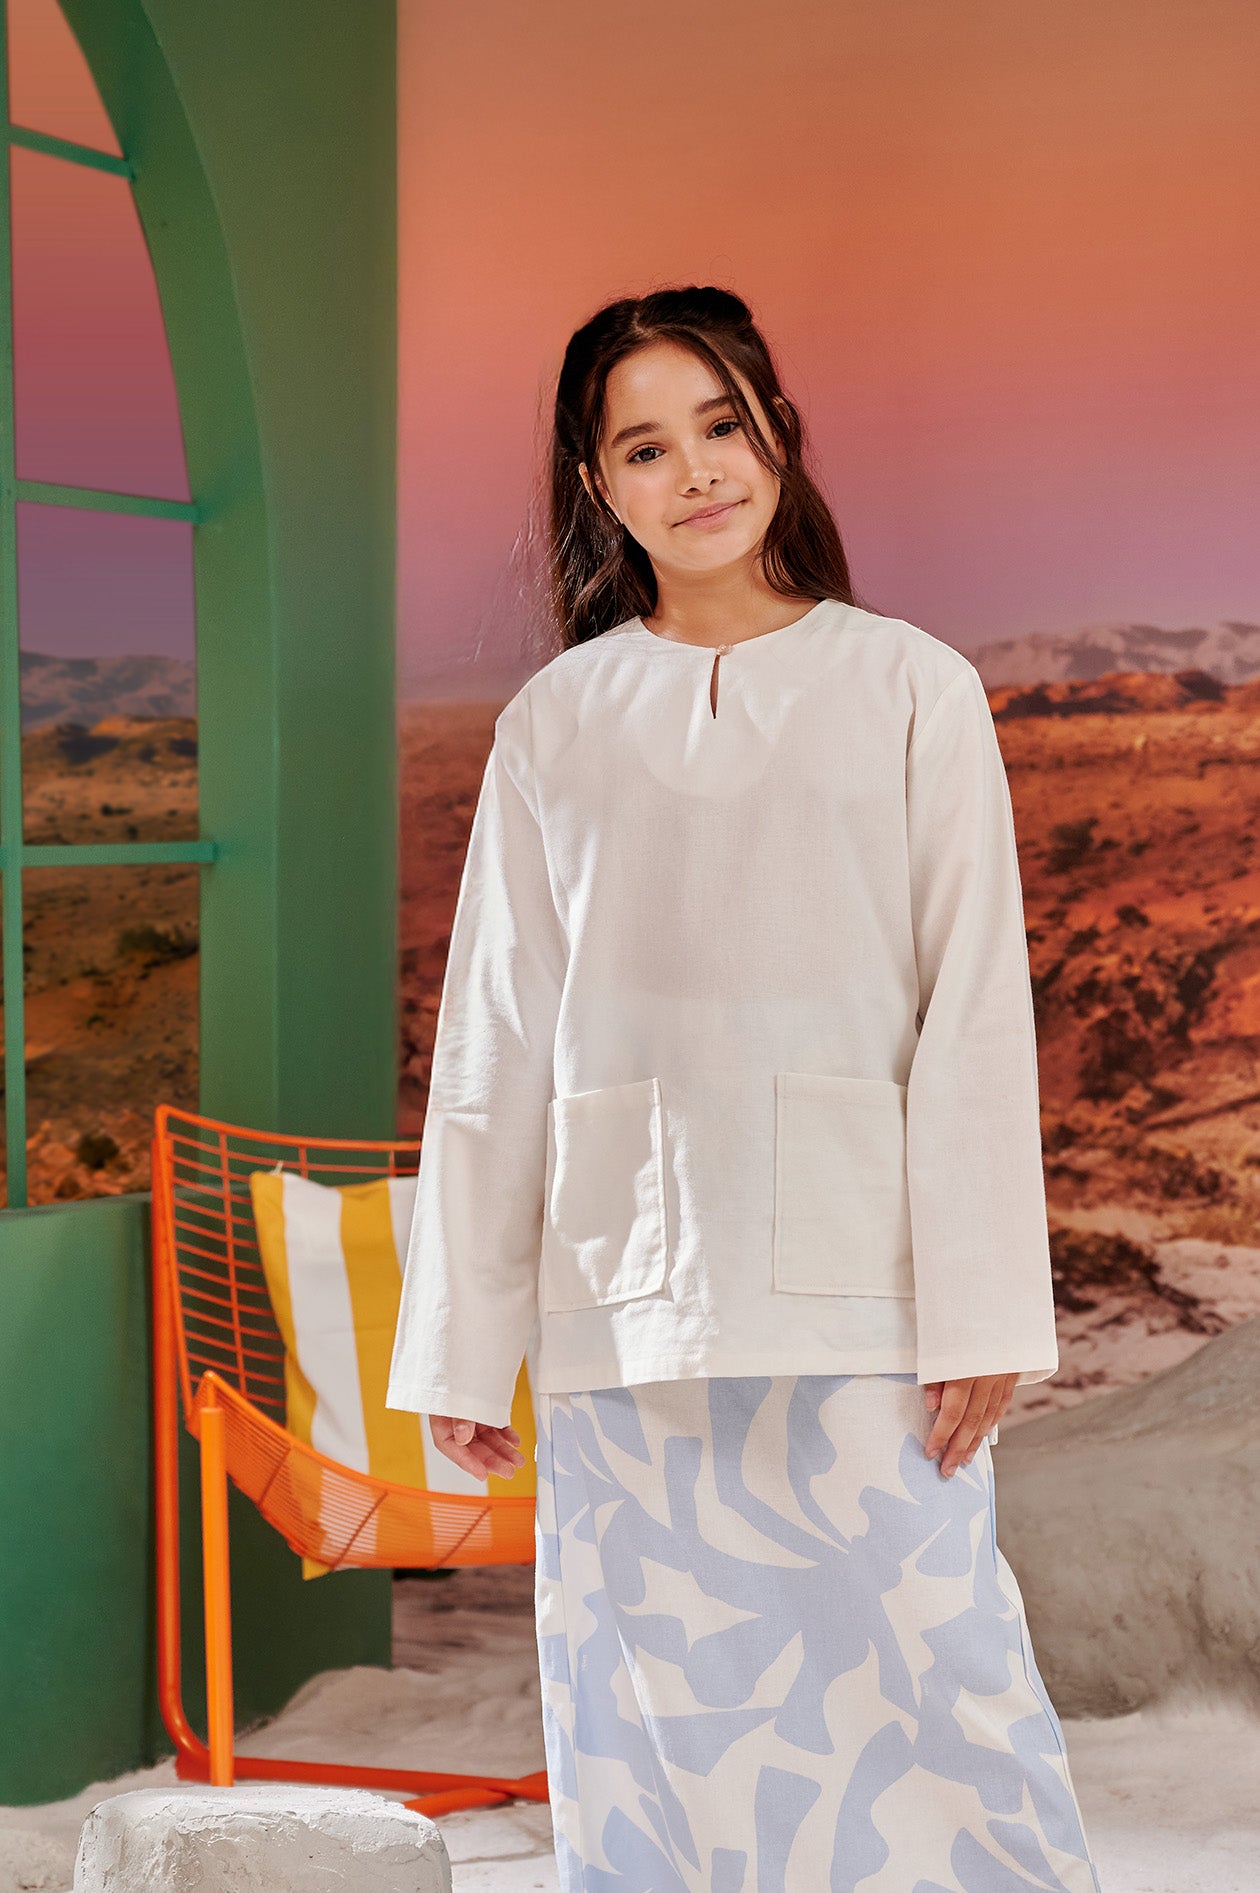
x=604, y=1231
x=841, y=1204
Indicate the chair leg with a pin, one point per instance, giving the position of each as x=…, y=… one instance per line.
x=218, y=1594
x=192, y=1760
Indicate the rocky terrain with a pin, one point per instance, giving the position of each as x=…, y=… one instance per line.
x=1136, y=799
x=110, y=953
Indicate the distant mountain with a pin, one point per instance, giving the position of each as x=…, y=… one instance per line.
x=1228, y=651
x=85, y=689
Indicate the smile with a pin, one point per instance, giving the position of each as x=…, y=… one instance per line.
x=712, y=515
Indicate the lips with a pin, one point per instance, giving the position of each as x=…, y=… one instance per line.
x=710, y=512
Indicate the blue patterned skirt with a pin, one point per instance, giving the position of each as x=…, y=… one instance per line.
x=781, y=1653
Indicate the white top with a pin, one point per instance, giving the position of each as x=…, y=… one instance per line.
x=682, y=1118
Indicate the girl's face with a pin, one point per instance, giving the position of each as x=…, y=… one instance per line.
x=674, y=448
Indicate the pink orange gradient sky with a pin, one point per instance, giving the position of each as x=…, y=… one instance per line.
x=1007, y=257
x=94, y=392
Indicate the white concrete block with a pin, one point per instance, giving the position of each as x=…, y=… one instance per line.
x=262, y=1837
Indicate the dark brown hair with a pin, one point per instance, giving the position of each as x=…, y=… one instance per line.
x=599, y=574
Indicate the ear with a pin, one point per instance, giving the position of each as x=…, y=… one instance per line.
x=586, y=482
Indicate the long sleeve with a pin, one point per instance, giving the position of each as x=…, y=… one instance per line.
x=984, y=1295
x=470, y=1283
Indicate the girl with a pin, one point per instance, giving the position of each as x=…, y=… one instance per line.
x=733, y=1135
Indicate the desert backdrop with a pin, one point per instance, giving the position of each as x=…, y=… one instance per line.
x=1136, y=795
x=1006, y=262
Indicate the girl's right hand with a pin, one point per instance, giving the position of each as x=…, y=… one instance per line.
x=477, y=1448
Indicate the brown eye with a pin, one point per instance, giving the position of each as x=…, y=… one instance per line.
x=634, y=461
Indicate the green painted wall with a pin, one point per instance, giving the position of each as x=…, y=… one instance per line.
x=265, y=144
x=76, y=1662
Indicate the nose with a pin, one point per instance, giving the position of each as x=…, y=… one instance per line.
x=700, y=476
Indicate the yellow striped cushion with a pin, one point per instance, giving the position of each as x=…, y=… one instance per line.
x=333, y=1262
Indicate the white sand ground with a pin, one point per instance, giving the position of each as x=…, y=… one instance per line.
x=1132, y=1523
x=1170, y=1795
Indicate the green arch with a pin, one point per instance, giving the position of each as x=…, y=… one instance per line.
x=264, y=150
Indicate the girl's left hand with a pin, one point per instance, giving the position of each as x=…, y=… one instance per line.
x=966, y=1411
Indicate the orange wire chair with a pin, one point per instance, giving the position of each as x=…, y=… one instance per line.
x=214, y=1333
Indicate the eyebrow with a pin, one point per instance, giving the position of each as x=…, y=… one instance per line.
x=657, y=427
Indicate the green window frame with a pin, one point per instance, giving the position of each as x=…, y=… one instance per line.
x=16, y=854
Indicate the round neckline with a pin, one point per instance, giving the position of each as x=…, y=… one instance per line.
x=759, y=637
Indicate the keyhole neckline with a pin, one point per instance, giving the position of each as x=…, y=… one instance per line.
x=723, y=650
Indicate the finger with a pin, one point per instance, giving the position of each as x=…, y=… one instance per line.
x=491, y=1456
x=999, y=1400
x=494, y=1461
x=478, y=1454
x=954, y=1397
x=506, y=1438
x=962, y=1449
x=476, y=1458
x=461, y=1456
x=973, y=1398
x=970, y=1430
x=996, y=1408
